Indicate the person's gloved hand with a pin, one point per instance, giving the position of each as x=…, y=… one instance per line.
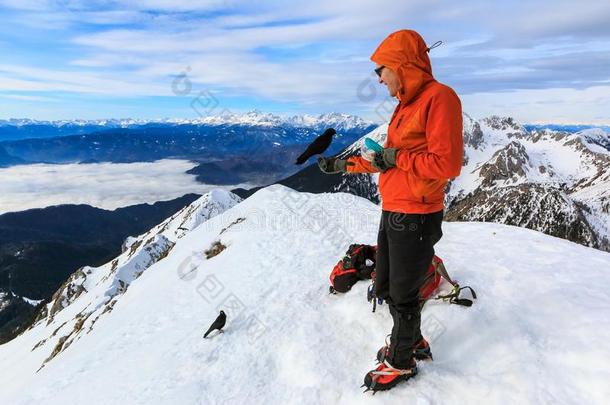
x=333, y=165
x=385, y=160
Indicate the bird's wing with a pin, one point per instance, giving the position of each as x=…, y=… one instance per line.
x=309, y=152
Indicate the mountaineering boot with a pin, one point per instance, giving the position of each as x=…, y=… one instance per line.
x=385, y=376
x=421, y=351
x=399, y=361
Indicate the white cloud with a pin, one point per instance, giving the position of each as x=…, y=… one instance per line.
x=311, y=53
x=181, y=5
x=220, y=53
x=557, y=105
x=29, y=98
x=26, y=78
x=103, y=185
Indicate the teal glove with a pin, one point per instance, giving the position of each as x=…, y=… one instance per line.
x=385, y=160
x=333, y=165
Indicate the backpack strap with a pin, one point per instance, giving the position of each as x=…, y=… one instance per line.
x=440, y=268
x=454, y=295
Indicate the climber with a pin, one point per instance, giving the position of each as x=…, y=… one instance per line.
x=422, y=151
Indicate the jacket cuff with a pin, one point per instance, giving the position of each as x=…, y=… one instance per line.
x=403, y=159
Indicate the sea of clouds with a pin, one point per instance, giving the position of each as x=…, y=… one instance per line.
x=103, y=185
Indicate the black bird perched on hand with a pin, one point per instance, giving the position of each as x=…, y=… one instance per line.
x=318, y=146
x=219, y=323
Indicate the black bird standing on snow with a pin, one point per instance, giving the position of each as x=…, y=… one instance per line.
x=318, y=146
x=219, y=323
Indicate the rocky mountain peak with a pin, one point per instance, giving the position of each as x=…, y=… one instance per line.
x=508, y=164
x=473, y=135
x=502, y=123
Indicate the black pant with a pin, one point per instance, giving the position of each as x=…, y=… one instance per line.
x=405, y=247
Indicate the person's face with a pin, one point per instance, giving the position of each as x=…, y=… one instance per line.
x=390, y=79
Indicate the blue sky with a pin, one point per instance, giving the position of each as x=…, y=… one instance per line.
x=538, y=61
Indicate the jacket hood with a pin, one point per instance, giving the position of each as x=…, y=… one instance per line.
x=406, y=53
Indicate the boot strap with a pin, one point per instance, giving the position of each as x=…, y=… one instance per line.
x=392, y=371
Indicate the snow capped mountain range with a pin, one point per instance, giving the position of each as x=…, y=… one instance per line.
x=340, y=122
x=131, y=330
x=554, y=182
x=252, y=118
x=252, y=148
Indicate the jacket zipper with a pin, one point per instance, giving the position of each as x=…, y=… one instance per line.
x=396, y=111
x=399, y=121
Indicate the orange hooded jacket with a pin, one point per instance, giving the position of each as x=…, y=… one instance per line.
x=426, y=127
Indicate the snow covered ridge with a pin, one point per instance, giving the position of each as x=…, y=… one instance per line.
x=5, y=299
x=285, y=336
x=92, y=292
x=254, y=118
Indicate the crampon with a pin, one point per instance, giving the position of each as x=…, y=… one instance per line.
x=385, y=376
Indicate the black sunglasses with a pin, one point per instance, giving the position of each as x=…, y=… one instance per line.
x=379, y=70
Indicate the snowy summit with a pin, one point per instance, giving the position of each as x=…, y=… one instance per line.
x=130, y=331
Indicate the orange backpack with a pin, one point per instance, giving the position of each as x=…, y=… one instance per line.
x=359, y=264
